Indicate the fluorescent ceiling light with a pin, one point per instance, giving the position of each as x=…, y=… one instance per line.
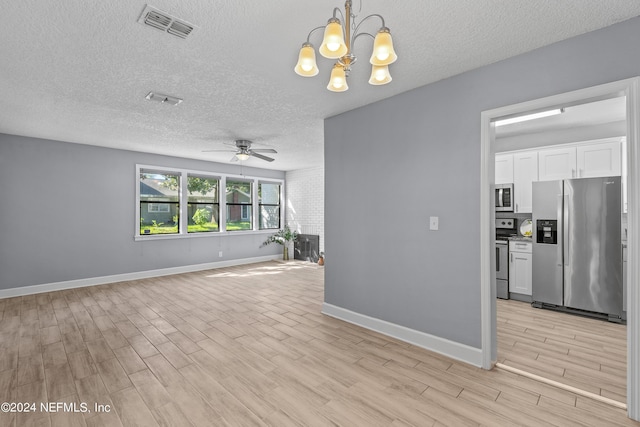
x=526, y=117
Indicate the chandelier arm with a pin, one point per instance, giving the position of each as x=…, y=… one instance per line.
x=355, y=32
x=361, y=34
x=313, y=31
x=337, y=9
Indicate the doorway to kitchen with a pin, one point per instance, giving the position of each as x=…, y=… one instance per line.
x=627, y=90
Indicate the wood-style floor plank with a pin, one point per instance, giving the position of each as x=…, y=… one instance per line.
x=586, y=353
x=248, y=345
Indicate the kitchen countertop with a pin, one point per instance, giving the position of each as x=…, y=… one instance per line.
x=520, y=239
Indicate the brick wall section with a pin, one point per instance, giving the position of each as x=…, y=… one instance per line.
x=305, y=201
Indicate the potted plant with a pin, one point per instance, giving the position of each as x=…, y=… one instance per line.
x=282, y=237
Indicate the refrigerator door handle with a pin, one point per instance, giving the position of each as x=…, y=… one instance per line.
x=565, y=229
x=560, y=235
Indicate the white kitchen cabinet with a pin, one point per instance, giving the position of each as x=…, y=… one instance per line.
x=557, y=163
x=520, y=267
x=504, y=168
x=599, y=159
x=525, y=172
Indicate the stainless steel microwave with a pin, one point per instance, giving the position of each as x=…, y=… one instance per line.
x=504, y=198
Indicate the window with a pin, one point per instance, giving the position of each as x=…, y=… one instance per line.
x=239, y=202
x=159, y=202
x=203, y=208
x=269, y=203
x=179, y=203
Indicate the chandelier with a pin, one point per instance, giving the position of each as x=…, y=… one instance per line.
x=336, y=46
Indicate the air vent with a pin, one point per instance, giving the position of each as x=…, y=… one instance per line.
x=158, y=97
x=166, y=23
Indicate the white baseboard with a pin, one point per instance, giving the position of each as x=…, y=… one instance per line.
x=452, y=349
x=92, y=281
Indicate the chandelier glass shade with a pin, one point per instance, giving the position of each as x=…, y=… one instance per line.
x=338, y=79
x=338, y=43
x=383, y=53
x=333, y=45
x=306, y=65
x=379, y=75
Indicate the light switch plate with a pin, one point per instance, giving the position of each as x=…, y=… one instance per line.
x=433, y=223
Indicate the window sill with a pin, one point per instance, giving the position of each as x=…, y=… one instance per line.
x=150, y=237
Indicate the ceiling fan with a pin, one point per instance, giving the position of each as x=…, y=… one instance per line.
x=243, y=151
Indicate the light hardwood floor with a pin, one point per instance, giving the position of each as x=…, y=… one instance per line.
x=247, y=346
x=586, y=353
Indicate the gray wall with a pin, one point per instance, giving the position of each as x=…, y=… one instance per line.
x=67, y=211
x=391, y=165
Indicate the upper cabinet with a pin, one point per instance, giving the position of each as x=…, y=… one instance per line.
x=504, y=168
x=525, y=172
x=600, y=159
x=584, y=160
x=557, y=163
x=589, y=159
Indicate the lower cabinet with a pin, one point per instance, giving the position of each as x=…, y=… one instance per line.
x=520, y=269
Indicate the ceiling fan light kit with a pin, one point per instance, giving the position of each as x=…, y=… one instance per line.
x=242, y=155
x=243, y=151
x=336, y=46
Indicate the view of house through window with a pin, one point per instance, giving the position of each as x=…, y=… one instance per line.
x=180, y=202
x=269, y=202
x=203, y=208
x=159, y=202
x=239, y=205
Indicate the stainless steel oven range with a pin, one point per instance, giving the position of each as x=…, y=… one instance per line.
x=505, y=227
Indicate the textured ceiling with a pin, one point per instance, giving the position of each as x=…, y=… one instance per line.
x=79, y=70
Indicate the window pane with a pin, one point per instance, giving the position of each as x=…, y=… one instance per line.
x=238, y=217
x=239, y=209
x=159, y=202
x=269, y=199
x=203, y=217
x=202, y=190
x=202, y=209
x=238, y=192
x=269, y=217
x=269, y=194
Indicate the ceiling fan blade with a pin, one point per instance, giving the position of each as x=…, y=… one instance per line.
x=234, y=158
x=264, y=150
x=260, y=156
x=224, y=151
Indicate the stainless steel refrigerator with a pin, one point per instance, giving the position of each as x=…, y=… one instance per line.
x=577, y=251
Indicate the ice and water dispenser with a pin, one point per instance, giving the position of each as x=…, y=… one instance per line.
x=547, y=231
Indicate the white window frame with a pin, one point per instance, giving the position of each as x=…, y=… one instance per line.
x=183, y=197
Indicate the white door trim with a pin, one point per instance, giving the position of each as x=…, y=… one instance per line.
x=630, y=89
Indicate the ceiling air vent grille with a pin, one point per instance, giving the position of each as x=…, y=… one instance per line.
x=164, y=22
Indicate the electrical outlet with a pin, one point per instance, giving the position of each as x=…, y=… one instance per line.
x=220, y=254
x=433, y=223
